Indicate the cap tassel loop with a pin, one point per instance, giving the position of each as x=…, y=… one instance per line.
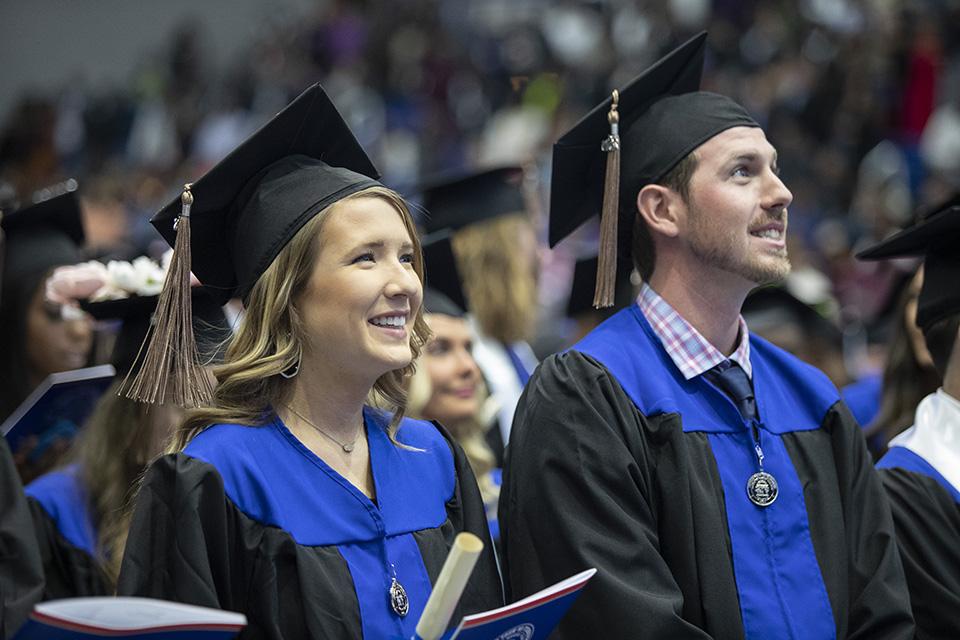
x=607, y=260
x=170, y=368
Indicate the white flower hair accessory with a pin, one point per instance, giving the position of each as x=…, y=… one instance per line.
x=95, y=282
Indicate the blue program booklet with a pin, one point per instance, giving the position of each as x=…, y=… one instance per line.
x=532, y=618
x=135, y=618
x=57, y=408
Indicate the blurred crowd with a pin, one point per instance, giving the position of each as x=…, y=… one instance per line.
x=861, y=99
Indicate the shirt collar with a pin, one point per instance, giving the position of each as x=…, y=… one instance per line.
x=691, y=352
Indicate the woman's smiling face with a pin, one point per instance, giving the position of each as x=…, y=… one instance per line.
x=454, y=374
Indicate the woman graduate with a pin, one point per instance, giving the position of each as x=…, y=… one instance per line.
x=78, y=509
x=496, y=248
x=292, y=499
x=447, y=385
x=37, y=337
x=921, y=470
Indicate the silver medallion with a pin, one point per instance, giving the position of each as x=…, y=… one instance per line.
x=762, y=489
x=398, y=598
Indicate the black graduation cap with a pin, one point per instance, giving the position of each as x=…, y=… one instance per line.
x=136, y=313
x=247, y=207
x=663, y=117
x=46, y=233
x=457, y=201
x=935, y=238
x=775, y=306
x=443, y=292
x=585, y=282
x=229, y=225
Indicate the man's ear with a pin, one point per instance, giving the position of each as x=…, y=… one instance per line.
x=661, y=208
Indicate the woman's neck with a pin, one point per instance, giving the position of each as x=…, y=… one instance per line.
x=329, y=400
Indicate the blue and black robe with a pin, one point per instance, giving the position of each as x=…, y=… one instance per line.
x=248, y=519
x=616, y=461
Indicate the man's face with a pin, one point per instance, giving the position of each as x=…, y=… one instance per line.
x=737, y=213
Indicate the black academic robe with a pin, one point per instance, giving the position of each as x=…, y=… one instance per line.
x=66, y=536
x=617, y=462
x=248, y=519
x=926, y=512
x=21, y=571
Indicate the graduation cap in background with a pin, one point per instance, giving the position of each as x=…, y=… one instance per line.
x=774, y=307
x=210, y=326
x=228, y=226
x=628, y=141
x=457, y=201
x=44, y=234
x=935, y=238
x=443, y=292
x=585, y=283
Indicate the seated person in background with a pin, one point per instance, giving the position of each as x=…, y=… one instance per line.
x=495, y=243
x=719, y=485
x=921, y=469
x=447, y=385
x=38, y=337
x=79, y=509
x=299, y=494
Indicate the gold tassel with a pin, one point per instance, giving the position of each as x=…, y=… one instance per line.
x=604, y=293
x=170, y=368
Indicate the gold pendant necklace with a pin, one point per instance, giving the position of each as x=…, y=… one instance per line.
x=346, y=446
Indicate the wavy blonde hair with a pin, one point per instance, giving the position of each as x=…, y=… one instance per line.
x=499, y=278
x=268, y=340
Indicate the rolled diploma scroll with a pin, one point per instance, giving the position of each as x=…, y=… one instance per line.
x=450, y=584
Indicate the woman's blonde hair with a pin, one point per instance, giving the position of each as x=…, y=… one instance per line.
x=270, y=336
x=499, y=278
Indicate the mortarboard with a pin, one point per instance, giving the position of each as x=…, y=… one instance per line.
x=228, y=226
x=136, y=313
x=934, y=237
x=774, y=306
x=457, y=201
x=46, y=233
x=663, y=117
x=585, y=283
x=443, y=291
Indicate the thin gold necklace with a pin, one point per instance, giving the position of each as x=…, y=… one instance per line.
x=346, y=446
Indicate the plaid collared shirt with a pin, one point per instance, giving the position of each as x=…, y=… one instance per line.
x=689, y=350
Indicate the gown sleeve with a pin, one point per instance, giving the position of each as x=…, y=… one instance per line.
x=69, y=571
x=575, y=497
x=879, y=602
x=21, y=570
x=927, y=520
x=186, y=541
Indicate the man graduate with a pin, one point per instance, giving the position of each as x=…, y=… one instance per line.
x=921, y=470
x=718, y=484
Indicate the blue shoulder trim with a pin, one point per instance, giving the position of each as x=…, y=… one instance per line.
x=274, y=479
x=63, y=497
x=791, y=395
x=903, y=458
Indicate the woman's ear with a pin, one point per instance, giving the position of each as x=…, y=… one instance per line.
x=660, y=208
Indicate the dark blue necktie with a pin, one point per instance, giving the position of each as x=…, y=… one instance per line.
x=733, y=380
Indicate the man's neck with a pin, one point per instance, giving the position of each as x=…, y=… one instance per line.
x=713, y=308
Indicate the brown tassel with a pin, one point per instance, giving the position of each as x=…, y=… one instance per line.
x=607, y=260
x=170, y=368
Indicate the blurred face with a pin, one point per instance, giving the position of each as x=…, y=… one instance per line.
x=737, y=214
x=53, y=343
x=917, y=341
x=360, y=303
x=454, y=375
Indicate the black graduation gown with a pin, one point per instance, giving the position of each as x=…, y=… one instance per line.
x=926, y=512
x=66, y=536
x=250, y=520
x=21, y=571
x=655, y=499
